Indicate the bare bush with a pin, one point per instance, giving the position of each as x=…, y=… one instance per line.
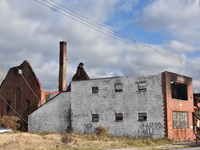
x=67, y=138
x=10, y=122
x=101, y=130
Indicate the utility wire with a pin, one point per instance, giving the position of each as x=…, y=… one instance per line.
x=83, y=20
x=169, y=28
x=64, y=146
x=13, y=109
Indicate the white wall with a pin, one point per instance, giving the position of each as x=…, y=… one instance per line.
x=52, y=116
x=129, y=102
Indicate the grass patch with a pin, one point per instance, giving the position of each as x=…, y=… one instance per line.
x=72, y=141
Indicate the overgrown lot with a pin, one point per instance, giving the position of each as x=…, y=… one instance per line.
x=72, y=141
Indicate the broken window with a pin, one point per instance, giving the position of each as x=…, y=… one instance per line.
x=142, y=86
x=142, y=116
x=8, y=106
x=179, y=91
x=95, y=90
x=28, y=104
x=118, y=116
x=180, y=120
x=95, y=117
x=118, y=87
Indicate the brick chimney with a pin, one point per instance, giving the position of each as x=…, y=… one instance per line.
x=62, y=67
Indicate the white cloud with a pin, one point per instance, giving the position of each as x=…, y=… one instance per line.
x=30, y=31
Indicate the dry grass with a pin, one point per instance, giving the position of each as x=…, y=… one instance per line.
x=71, y=141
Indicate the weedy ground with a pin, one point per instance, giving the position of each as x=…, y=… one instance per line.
x=72, y=141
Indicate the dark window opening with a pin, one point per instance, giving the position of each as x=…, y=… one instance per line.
x=118, y=116
x=95, y=117
x=142, y=86
x=8, y=106
x=179, y=91
x=95, y=90
x=118, y=88
x=28, y=104
x=142, y=116
x=180, y=120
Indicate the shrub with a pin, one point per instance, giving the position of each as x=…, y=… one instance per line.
x=10, y=122
x=101, y=130
x=67, y=138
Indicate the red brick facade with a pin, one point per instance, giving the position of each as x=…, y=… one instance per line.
x=179, y=105
x=22, y=91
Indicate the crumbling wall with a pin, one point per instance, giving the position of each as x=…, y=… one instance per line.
x=117, y=102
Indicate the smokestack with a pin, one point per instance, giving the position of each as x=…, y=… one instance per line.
x=62, y=67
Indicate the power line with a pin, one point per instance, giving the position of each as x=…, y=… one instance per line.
x=170, y=28
x=64, y=146
x=132, y=42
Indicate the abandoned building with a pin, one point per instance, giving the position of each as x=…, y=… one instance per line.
x=155, y=106
x=21, y=93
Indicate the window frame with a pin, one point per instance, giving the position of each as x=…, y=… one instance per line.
x=118, y=87
x=142, y=87
x=178, y=121
x=179, y=91
x=95, y=90
x=95, y=117
x=141, y=115
x=8, y=105
x=119, y=117
x=28, y=104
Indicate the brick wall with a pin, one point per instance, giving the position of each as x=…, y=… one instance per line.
x=178, y=105
x=15, y=90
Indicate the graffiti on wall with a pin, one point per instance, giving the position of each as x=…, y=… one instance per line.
x=149, y=129
x=89, y=128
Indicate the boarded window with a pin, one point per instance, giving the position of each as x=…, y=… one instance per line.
x=142, y=86
x=95, y=90
x=179, y=91
x=118, y=117
x=118, y=88
x=180, y=120
x=8, y=106
x=142, y=116
x=95, y=117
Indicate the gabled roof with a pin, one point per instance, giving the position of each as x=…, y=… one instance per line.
x=16, y=70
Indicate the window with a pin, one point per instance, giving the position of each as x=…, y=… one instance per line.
x=142, y=86
x=95, y=117
x=142, y=116
x=8, y=106
x=28, y=104
x=95, y=90
x=180, y=120
x=18, y=97
x=118, y=87
x=118, y=116
x=179, y=91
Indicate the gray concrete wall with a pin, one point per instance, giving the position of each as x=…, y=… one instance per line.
x=52, y=116
x=129, y=102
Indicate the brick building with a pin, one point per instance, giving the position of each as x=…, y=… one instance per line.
x=178, y=106
x=21, y=91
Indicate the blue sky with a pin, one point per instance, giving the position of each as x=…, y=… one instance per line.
x=31, y=31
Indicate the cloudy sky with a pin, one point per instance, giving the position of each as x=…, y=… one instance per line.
x=111, y=37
